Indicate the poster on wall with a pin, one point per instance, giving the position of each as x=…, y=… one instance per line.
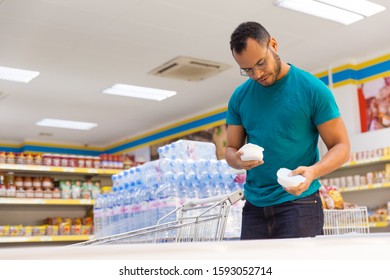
x=374, y=102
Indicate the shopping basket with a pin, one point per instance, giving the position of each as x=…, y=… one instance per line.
x=197, y=220
x=346, y=221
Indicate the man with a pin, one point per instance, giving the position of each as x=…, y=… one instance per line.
x=284, y=110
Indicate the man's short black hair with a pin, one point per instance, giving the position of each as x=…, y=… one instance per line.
x=245, y=31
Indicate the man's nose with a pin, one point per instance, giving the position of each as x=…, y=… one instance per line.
x=257, y=73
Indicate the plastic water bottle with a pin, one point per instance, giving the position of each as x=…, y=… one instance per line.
x=135, y=174
x=98, y=215
x=120, y=210
x=104, y=216
x=166, y=165
x=150, y=179
x=154, y=205
x=223, y=166
x=201, y=166
x=116, y=179
x=164, y=151
x=138, y=175
x=189, y=165
x=110, y=218
x=192, y=181
x=149, y=166
x=206, y=185
x=184, y=193
x=135, y=222
x=112, y=201
x=125, y=177
x=142, y=219
x=226, y=179
x=127, y=208
x=168, y=194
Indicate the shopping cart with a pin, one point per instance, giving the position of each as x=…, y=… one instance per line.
x=346, y=221
x=197, y=220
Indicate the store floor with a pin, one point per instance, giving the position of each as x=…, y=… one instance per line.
x=351, y=247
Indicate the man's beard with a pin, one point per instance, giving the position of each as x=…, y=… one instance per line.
x=276, y=71
x=278, y=66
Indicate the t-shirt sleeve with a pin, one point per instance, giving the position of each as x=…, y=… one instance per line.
x=325, y=106
x=232, y=116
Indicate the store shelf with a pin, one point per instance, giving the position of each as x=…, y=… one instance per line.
x=54, y=169
x=54, y=238
x=379, y=224
x=38, y=201
x=366, y=162
x=365, y=187
x=34, y=211
x=373, y=196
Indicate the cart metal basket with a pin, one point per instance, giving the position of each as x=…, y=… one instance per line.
x=197, y=220
x=346, y=221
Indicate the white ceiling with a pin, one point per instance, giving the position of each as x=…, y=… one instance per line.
x=81, y=47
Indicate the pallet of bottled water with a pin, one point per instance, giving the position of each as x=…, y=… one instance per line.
x=142, y=195
x=197, y=220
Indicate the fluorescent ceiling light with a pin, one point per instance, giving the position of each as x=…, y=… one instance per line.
x=362, y=7
x=17, y=75
x=345, y=12
x=139, y=92
x=66, y=124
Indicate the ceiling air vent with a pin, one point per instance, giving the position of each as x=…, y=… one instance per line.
x=189, y=69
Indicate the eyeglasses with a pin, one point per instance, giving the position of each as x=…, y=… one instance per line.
x=260, y=65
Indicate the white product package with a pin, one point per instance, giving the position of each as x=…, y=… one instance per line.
x=289, y=181
x=251, y=152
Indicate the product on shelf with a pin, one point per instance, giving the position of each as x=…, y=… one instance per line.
x=66, y=189
x=9, y=185
x=37, y=159
x=378, y=215
x=107, y=161
x=10, y=158
x=377, y=177
x=77, y=189
x=370, y=154
x=3, y=157
x=331, y=197
x=52, y=226
x=2, y=186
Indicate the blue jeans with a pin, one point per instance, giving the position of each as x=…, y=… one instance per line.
x=303, y=217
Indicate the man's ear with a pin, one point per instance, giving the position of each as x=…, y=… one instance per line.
x=273, y=44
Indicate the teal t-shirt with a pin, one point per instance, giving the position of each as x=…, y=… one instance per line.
x=282, y=119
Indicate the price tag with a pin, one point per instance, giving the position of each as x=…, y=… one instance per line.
x=46, y=238
x=86, y=201
x=92, y=170
x=68, y=169
x=44, y=168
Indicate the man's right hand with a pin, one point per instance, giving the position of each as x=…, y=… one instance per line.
x=247, y=165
